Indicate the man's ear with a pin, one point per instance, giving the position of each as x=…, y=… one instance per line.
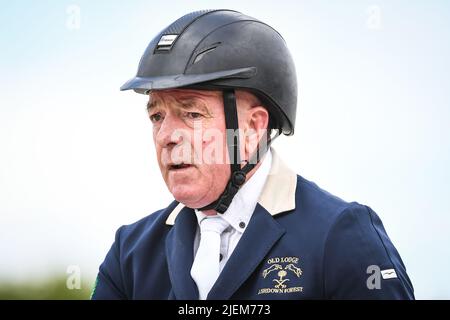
x=256, y=124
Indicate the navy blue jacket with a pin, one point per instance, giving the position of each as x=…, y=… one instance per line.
x=301, y=243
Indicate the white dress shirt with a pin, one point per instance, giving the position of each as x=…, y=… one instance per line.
x=239, y=212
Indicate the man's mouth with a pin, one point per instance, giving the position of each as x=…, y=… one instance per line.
x=180, y=166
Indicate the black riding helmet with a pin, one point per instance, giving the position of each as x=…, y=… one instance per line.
x=225, y=50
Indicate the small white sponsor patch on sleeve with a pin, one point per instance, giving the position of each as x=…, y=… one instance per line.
x=388, y=274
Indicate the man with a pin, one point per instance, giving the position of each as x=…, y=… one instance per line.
x=221, y=87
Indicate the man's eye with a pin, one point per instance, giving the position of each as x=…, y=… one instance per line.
x=155, y=117
x=194, y=115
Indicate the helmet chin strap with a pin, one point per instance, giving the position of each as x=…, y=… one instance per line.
x=238, y=174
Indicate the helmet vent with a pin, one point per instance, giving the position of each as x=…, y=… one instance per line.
x=203, y=53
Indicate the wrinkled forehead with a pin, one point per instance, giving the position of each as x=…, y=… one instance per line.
x=183, y=97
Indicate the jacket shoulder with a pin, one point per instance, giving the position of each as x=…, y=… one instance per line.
x=313, y=200
x=132, y=243
x=134, y=231
x=351, y=239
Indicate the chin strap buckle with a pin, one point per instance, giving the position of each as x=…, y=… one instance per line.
x=238, y=178
x=236, y=181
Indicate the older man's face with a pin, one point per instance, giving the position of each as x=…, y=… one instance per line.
x=189, y=136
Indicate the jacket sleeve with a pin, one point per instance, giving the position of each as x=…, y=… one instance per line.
x=360, y=261
x=109, y=283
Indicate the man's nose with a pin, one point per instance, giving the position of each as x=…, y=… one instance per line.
x=169, y=132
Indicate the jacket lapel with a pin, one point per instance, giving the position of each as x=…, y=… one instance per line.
x=179, y=252
x=261, y=235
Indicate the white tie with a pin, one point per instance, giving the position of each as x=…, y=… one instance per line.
x=206, y=269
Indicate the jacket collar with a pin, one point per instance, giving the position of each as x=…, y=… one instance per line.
x=277, y=196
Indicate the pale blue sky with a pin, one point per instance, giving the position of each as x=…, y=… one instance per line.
x=76, y=155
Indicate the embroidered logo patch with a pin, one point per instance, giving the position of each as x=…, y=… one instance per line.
x=283, y=273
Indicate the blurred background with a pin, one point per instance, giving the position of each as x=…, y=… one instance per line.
x=76, y=155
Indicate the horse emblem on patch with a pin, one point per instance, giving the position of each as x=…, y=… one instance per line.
x=283, y=271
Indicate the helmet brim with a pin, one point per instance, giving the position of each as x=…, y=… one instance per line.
x=144, y=85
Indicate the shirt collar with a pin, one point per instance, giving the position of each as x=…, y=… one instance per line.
x=244, y=202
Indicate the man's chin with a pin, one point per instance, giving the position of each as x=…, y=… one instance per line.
x=186, y=195
x=189, y=197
